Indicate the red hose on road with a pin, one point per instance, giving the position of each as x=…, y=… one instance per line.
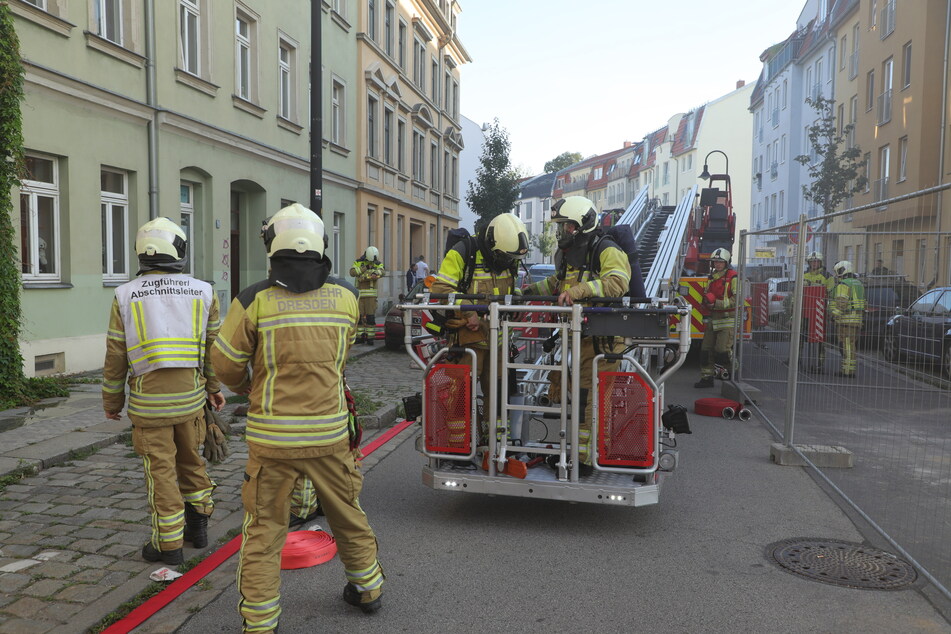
x=142, y=613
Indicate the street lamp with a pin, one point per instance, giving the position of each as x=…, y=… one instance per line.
x=705, y=174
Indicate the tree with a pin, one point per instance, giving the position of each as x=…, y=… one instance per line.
x=545, y=241
x=562, y=161
x=836, y=168
x=12, y=167
x=496, y=187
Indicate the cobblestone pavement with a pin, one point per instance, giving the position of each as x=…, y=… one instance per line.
x=70, y=535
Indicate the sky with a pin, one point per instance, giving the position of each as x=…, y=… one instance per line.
x=570, y=76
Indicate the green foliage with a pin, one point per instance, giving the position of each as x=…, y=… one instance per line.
x=839, y=170
x=545, y=241
x=496, y=187
x=562, y=161
x=366, y=402
x=12, y=167
x=31, y=390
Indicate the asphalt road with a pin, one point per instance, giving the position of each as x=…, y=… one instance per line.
x=696, y=562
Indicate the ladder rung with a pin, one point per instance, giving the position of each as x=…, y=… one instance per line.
x=532, y=408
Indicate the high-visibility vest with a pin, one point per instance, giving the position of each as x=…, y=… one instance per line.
x=165, y=318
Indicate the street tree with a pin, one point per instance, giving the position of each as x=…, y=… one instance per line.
x=545, y=241
x=562, y=161
x=496, y=186
x=836, y=167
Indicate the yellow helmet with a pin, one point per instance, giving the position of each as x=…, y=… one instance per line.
x=721, y=254
x=506, y=235
x=161, y=245
x=372, y=254
x=815, y=255
x=295, y=230
x=577, y=209
x=843, y=267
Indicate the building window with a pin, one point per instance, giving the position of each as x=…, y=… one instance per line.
x=401, y=145
x=902, y=158
x=186, y=206
x=337, y=109
x=419, y=156
x=114, y=208
x=870, y=90
x=419, y=63
x=881, y=189
x=108, y=15
x=401, y=45
x=371, y=126
x=39, y=219
x=371, y=19
x=387, y=136
x=434, y=165
x=339, y=7
x=906, y=65
x=37, y=3
x=388, y=29
x=245, y=53
x=190, y=18
x=287, y=84
x=337, y=242
x=435, y=81
x=385, y=249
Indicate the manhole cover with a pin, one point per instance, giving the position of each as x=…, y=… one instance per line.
x=842, y=563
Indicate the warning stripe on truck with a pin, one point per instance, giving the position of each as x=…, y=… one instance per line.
x=694, y=287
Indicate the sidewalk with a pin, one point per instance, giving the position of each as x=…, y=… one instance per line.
x=70, y=535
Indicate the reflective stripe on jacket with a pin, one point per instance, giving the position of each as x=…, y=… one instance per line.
x=612, y=280
x=164, y=317
x=723, y=286
x=848, y=302
x=366, y=274
x=295, y=346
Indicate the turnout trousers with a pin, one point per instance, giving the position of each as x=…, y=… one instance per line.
x=266, y=495
x=848, y=335
x=716, y=349
x=174, y=474
x=367, y=325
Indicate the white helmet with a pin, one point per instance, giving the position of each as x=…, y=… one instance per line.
x=815, y=255
x=372, y=254
x=721, y=254
x=295, y=230
x=577, y=209
x=161, y=245
x=506, y=235
x=843, y=267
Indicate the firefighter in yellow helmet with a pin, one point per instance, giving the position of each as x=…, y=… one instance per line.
x=367, y=270
x=587, y=264
x=482, y=264
x=816, y=275
x=284, y=342
x=719, y=302
x=161, y=328
x=848, y=306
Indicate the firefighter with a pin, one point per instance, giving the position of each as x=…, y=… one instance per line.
x=484, y=264
x=719, y=304
x=367, y=270
x=848, y=306
x=285, y=342
x=816, y=275
x=161, y=328
x=587, y=264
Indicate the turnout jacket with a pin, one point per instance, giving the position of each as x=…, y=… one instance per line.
x=366, y=273
x=819, y=278
x=720, y=298
x=290, y=349
x=612, y=279
x=848, y=302
x=161, y=328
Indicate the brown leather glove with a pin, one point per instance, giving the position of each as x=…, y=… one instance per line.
x=216, y=437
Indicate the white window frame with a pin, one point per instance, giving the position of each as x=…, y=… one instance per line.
x=373, y=132
x=242, y=56
x=33, y=190
x=902, y=158
x=109, y=13
x=389, y=13
x=388, y=115
x=287, y=78
x=190, y=12
x=187, y=210
x=108, y=202
x=337, y=241
x=338, y=109
x=434, y=164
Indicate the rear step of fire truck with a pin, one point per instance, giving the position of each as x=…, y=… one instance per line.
x=631, y=451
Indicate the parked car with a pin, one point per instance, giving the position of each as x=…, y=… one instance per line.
x=923, y=331
x=885, y=295
x=778, y=289
x=538, y=272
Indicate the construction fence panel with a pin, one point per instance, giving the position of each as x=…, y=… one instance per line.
x=867, y=382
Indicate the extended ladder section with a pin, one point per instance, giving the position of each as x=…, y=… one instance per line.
x=667, y=262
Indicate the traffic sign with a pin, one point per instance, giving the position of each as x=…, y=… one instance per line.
x=794, y=233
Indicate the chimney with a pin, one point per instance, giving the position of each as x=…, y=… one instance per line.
x=740, y=83
x=627, y=144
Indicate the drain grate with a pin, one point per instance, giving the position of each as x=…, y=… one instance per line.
x=842, y=563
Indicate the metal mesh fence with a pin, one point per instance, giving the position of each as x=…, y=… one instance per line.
x=863, y=361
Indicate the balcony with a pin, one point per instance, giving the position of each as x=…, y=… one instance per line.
x=888, y=19
x=573, y=187
x=885, y=107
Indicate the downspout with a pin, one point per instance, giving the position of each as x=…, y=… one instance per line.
x=944, y=125
x=151, y=100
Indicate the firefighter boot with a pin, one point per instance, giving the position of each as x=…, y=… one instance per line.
x=196, y=527
x=168, y=557
x=352, y=596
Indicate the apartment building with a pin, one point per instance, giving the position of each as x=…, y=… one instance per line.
x=190, y=109
x=410, y=131
x=534, y=209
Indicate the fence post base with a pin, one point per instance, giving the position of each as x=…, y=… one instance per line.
x=823, y=456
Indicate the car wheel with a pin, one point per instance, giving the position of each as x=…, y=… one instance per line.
x=890, y=348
